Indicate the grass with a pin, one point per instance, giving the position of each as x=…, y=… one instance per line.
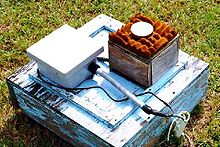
x=24, y=22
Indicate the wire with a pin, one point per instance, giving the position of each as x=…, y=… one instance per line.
x=179, y=126
x=177, y=116
x=148, y=92
x=79, y=89
x=169, y=130
x=165, y=103
x=102, y=59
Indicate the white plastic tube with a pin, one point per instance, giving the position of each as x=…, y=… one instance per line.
x=120, y=87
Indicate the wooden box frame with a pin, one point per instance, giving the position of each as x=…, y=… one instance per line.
x=143, y=71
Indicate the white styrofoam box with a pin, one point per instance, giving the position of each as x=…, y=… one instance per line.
x=64, y=55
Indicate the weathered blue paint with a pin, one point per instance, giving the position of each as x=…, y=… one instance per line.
x=54, y=120
x=184, y=101
x=91, y=118
x=89, y=102
x=34, y=99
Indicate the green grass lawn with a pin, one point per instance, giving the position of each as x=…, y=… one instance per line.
x=24, y=22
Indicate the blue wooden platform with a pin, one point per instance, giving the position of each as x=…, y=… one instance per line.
x=90, y=117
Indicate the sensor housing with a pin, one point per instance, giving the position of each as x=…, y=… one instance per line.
x=64, y=55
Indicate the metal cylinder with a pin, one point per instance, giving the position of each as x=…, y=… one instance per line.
x=120, y=87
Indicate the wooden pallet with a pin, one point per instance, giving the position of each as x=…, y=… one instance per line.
x=90, y=117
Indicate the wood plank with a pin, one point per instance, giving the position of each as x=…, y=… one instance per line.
x=129, y=66
x=140, y=70
x=56, y=121
x=164, y=61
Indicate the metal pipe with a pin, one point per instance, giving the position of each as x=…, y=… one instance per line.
x=120, y=87
x=95, y=69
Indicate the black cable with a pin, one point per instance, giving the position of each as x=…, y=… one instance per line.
x=165, y=103
x=102, y=59
x=80, y=88
x=149, y=109
x=155, y=112
x=145, y=108
x=178, y=117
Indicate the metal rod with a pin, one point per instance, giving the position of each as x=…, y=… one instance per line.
x=120, y=87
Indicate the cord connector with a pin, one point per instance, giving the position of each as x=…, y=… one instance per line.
x=93, y=67
x=147, y=109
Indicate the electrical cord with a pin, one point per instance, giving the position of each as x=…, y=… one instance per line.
x=146, y=108
x=102, y=59
x=79, y=89
x=148, y=92
x=155, y=112
x=94, y=68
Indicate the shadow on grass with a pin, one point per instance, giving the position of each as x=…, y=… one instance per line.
x=21, y=130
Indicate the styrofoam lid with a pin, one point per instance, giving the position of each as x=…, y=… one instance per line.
x=65, y=49
x=141, y=29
